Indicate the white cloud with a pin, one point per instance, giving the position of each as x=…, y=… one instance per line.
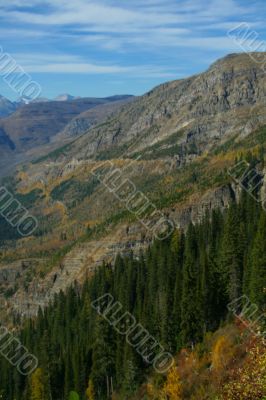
x=82, y=12
x=74, y=68
x=128, y=26
x=105, y=16
x=22, y=33
x=117, y=26
x=40, y=58
x=72, y=64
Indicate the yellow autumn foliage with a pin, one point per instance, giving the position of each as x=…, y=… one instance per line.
x=249, y=381
x=172, y=387
x=37, y=391
x=90, y=391
x=222, y=353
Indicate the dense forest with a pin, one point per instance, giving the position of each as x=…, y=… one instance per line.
x=178, y=290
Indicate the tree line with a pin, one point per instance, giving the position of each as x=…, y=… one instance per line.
x=178, y=290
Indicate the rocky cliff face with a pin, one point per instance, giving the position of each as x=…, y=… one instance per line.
x=227, y=99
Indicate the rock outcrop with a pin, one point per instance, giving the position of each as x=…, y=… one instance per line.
x=229, y=99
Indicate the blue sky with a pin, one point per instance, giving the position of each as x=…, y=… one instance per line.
x=105, y=47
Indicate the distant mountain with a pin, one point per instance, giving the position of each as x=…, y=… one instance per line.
x=62, y=97
x=36, y=124
x=41, y=100
x=93, y=116
x=69, y=97
x=7, y=107
x=65, y=97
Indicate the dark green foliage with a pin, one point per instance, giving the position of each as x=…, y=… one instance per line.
x=72, y=188
x=258, y=267
x=61, y=151
x=28, y=200
x=178, y=290
x=7, y=232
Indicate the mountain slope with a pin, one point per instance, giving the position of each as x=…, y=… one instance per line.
x=172, y=297
x=230, y=98
x=7, y=107
x=184, y=135
x=64, y=97
x=36, y=124
x=92, y=117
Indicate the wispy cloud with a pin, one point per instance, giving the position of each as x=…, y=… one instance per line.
x=74, y=64
x=126, y=17
x=114, y=25
x=22, y=33
x=153, y=39
x=86, y=68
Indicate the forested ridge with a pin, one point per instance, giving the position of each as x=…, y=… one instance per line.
x=178, y=290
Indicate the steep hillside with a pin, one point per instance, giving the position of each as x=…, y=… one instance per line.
x=143, y=327
x=173, y=145
x=7, y=107
x=92, y=117
x=185, y=117
x=35, y=125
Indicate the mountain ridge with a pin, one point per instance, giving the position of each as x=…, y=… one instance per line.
x=33, y=126
x=229, y=96
x=174, y=144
